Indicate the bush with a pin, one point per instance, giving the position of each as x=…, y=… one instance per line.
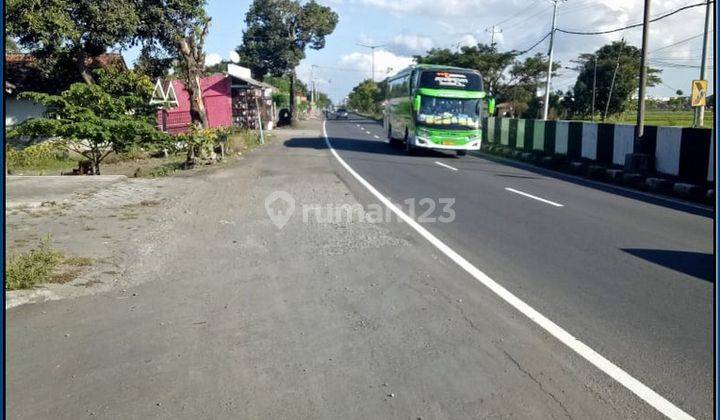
x=202, y=142
x=33, y=267
x=38, y=155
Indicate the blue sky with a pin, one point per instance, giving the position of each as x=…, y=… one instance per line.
x=411, y=26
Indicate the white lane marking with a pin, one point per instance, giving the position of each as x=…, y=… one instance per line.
x=446, y=166
x=596, y=359
x=374, y=135
x=552, y=203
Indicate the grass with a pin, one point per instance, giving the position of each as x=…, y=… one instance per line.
x=42, y=264
x=33, y=267
x=664, y=118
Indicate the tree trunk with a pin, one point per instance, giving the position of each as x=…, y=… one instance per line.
x=192, y=84
x=293, y=117
x=82, y=68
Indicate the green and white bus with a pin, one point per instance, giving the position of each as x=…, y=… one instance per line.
x=436, y=107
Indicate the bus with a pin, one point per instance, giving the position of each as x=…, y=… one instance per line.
x=436, y=107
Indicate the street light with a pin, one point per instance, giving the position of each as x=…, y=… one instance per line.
x=372, y=48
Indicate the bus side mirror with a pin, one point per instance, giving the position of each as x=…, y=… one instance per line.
x=491, y=106
x=416, y=103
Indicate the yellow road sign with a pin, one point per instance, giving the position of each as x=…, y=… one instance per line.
x=699, y=92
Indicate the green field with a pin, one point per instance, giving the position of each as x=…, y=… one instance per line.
x=667, y=118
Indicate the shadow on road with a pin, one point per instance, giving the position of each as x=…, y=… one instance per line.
x=364, y=146
x=695, y=264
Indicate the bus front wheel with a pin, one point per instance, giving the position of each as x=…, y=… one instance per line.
x=390, y=138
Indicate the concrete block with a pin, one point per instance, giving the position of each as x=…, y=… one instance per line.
x=633, y=180
x=690, y=191
x=577, y=167
x=596, y=172
x=659, y=185
x=614, y=174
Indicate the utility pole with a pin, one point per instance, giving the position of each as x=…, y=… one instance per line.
x=546, y=107
x=592, y=107
x=492, y=32
x=640, y=161
x=312, y=88
x=700, y=111
x=640, y=130
x=372, y=48
x=612, y=87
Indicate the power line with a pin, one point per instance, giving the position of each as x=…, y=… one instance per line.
x=528, y=7
x=525, y=51
x=636, y=24
x=682, y=41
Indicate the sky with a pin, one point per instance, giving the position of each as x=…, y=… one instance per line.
x=408, y=27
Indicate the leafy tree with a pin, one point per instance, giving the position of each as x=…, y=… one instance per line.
x=178, y=28
x=277, y=34
x=484, y=58
x=527, y=77
x=96, y=120
x=364, y=97
x=60, y=31
x=618, y=59
x=153, y=61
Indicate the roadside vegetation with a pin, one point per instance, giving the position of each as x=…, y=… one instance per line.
x=514, y=82
x=40, y=265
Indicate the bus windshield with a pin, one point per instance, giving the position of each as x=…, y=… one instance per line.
x=450, y=113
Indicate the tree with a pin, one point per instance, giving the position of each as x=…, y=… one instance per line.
x=59, y=31
x=484, y=58
x=526, y=79
x=364, y=97
x=617, y=78
x=178, y=28
x=95, y=120
x=277, y=34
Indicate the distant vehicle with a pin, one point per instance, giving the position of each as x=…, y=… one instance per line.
x=436, y=107
x=341, y=114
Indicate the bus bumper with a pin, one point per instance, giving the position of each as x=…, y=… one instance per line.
x=426, y=143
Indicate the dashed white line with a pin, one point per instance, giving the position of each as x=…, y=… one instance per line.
x=445, y=166
x=552, y=203
x=596, y=359
x=375, y=135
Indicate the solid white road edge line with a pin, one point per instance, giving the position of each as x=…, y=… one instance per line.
x=446, y=166
x=596, y=359
x=552, y=203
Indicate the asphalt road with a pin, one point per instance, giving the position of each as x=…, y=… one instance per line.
x=227, y=316
x=628, y=274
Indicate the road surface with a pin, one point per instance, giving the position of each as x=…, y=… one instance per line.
x=628, y=274
x=231, y=317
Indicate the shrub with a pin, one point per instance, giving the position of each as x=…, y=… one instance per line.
x=33, y=267
x=36, y=155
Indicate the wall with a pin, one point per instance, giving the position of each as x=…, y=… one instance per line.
x=216, y=97
x=682, y=153
x=19, y=110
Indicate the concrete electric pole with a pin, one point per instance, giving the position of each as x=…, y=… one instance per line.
x=546, y=106
x=640, y=129
x=372, y=48
x=700, y=111
x=493, y=30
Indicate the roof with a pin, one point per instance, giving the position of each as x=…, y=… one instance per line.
x=23, y=73
x=253, y=82
x=429, y=66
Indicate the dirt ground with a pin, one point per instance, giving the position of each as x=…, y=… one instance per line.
x=109, y=220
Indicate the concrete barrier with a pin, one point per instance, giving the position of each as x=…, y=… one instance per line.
x=561, y=137
x=682, y=153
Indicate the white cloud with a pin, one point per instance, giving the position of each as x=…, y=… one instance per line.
x=386, y=63
x=467, y=40
x=411, y=44
x=212, y=59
